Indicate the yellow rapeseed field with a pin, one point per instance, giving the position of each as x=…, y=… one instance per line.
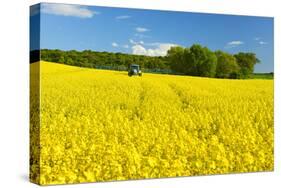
x=99, y=125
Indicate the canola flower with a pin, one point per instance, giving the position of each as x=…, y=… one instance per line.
x=100, y=125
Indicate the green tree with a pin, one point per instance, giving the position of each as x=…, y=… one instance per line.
x=246, y=62
x=69, y=61
x=175, y=56
x=201, y=61
x=61, y=59
x=227, y=66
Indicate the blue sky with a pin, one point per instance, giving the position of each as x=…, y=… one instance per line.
x=152, y=32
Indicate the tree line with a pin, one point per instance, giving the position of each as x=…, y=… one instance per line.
x=201, y=61
x=195, y=61
x=94, y=59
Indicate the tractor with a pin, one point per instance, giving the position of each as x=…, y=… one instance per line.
x=134, y=69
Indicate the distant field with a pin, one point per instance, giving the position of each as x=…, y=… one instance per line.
x=262, y=76
x=103, y=125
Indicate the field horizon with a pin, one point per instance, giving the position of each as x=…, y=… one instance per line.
x=260, y=75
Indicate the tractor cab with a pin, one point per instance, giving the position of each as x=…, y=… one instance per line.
x=134, y=69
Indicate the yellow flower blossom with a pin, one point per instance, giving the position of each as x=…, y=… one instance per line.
x=100, y=125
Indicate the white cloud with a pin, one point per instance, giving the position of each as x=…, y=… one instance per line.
x=141, y=29
x=139, y=50
x=262, y=42
x=160, y=50
x=140, y=35
x=122, y=17
x=132, y=41
x=259, y=40
x=126, y=46
x=136, y=42
x=114, y=44
x=68, y=10
x=153, y=44
x=234, y=43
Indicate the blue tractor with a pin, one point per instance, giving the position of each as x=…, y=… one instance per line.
x=134, y=69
